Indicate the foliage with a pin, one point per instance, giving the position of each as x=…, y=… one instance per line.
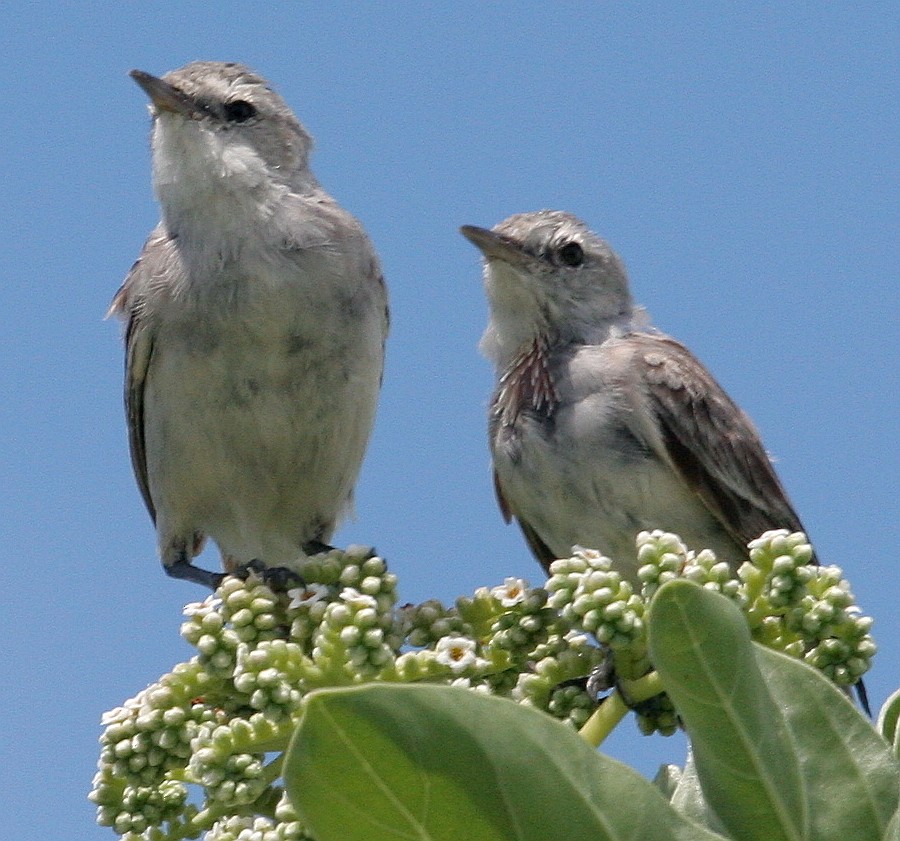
x=324, y=668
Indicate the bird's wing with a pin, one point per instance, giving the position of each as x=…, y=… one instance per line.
x=128, y=305
x=704, y=436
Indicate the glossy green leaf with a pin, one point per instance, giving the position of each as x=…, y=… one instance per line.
x=700, y=644
x=434, y=763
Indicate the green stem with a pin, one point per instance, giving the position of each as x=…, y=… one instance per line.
x=643, y=688
x=613, y=709
x=604, y=720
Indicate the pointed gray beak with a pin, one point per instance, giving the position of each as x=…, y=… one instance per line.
x=496, y=246
x=165, y=97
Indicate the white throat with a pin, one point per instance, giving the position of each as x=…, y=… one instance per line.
x=215, y=191
x=521, y=315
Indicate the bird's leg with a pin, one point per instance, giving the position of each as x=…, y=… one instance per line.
x=177, y=559
x=186, y=571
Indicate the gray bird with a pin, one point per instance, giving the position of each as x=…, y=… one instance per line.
x=256, y=317
x=600, y=426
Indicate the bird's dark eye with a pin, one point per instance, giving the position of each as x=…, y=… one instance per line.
x=570, y=254
x=239, y=111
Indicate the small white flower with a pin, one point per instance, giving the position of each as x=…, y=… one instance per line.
x=511, y=592
x=116, y=716
x=211, y=602
x=456, y=652
x=307, y=595
x=594, y=559
x=128, y=710
x=352, y=597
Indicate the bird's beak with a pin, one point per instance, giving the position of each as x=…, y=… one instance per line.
x=496, y=246
x=165, y=97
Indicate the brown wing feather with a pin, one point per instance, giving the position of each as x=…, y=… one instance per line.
x=711, y=443
x=138, y=351
x=138, y=354
x=539, y=549
x=501, y=499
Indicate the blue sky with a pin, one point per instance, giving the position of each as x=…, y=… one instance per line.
x=742, y=159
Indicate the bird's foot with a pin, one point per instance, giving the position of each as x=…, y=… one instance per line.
x=317, y=547
x=278, y=579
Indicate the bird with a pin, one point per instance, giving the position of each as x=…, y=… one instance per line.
x=255, y=324
x=600, y=426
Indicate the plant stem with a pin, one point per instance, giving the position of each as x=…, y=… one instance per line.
x=613, y=709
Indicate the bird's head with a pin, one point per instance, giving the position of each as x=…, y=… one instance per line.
x=217, y=126
x=547, y=275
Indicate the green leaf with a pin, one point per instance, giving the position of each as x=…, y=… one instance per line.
x=436, y=763
x=850, y=774
x=893, y=830
x=762, y=724
x=700, y=644
x=888, y=721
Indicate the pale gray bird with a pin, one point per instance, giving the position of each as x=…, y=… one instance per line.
x=600, y=426
x=256, y=317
